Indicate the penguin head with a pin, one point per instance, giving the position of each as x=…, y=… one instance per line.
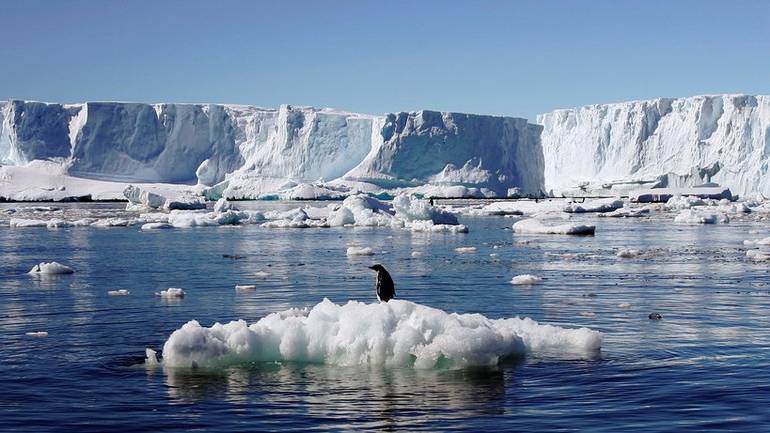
x=378, y=267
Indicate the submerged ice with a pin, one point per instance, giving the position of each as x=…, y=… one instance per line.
x=395, y=334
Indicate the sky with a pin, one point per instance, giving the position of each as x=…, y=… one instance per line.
x=516, y=58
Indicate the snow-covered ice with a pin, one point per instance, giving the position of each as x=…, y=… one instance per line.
x=628, y=253
x=394, y=334
x=36, y=334
x=245, y=287
x=690, y=216
x=119, y=292
x=465, y=250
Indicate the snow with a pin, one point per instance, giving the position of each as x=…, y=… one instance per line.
x=119, y=292
x=395, y=334
x=535, y=226
x=171, y=292
x=691, y=216
x=50, y=268
x=360, y=251
x=525, y=279
x=665, y=142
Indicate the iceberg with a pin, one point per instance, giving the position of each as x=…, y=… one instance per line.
x=247, y=152
x=664, y=142
x=535, y=226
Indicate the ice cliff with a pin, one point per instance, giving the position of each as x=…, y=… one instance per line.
x=662, y=142
x=249, y=151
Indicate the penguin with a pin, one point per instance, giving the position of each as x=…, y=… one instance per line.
x=385, y=289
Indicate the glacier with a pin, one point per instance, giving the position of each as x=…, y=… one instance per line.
x=666, y=142
x=244, y=152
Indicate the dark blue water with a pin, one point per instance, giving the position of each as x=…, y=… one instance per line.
x=704, y=366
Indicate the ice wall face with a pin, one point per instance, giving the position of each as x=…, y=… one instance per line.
x=685, y=141
x=496, y=153
x=257, y=149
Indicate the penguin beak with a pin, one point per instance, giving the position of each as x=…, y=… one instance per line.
x=372, y=268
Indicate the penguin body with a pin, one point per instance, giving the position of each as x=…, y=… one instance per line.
x=384, y=287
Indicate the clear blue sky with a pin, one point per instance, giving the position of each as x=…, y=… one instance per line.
x=496, y=57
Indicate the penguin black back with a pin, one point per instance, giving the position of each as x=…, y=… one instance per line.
x=385, y=288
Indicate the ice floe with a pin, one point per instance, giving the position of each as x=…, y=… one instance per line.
x=119, y=292
x=535, y=226
x=360, y=251
x=600, y=205
x=628, y=253
x=691, y=216
x=525, y=280
x=37, y=334
x=50, y=268
x=465, y=250
x=394, y=334
x=171, y=292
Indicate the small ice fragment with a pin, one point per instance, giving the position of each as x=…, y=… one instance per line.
x=535, y=226
x=171, y=293
x=360, y=251
x=37, y=334
x=151, y=357
x=628, y=253
x=525, y=279
x=50, y=268
x=624, y=305
x=493, y=255
x=119, y=292
x=465, y=250
x=245, y=287
x=587, y=313
x=156, y=226
x=417, y=253
x=261, y=274
x=758, y=255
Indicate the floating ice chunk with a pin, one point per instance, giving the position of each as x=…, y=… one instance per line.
x=37, y=334
x=758, y=255
x=363, y=211
x=171, y=293
x=417, y=254
x=624, y=305
x=245, y=287
x=525, y=279
x=690, y=216
x=762, y=242
x=261, y=274
x=22, y=222
x=587, y=314
x=187, y=219
x=628, y=253
x=185, y=201
x=601, y=205
x=430, y=226
x=626, y=213
x=360, y=251
x=535, y=226
x=112, y=222
x=50, y=268
x=146, y=199
x=119, y=292
x=394, y=334
x=679, y=202
x=465, y=250
x=151, y=357
x=410, y=208
x=222, y=205
x=156, y=226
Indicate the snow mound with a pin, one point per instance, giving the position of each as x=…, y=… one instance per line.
x=394, y=334
x=50, y=268
x=691, y=216
x=525, y=279
x=535, y=226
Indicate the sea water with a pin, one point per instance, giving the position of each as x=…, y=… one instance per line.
x=703, y=366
